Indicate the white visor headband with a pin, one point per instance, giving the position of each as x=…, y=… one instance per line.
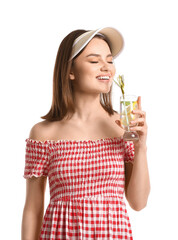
x=113, y=36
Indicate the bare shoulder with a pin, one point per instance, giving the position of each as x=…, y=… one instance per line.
x=116, y=116
x=41, y=131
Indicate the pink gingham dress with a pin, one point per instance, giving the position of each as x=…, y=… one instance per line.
x=86, y=179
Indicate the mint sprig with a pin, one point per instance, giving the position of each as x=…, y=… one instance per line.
x=120, y=83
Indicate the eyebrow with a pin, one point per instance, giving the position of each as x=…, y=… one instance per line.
x=97, y=55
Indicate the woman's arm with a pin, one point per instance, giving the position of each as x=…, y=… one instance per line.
x=34, y=208
x=137, y=184
x=35, y=193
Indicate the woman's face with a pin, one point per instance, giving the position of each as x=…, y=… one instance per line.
x=93, y=70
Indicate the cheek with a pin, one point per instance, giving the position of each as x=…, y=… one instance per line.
x=85, y=73
x=113, y=69
x=82, y=78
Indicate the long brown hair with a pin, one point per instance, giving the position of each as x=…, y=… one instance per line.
x=62, y=101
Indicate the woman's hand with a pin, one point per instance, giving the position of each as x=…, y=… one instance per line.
x=141, y=125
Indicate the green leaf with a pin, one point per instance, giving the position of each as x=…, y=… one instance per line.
x=120, y=83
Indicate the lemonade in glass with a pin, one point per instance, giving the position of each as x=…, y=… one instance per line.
x=128, y=103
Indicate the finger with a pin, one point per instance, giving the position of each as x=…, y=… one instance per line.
x=118, y=122
x=138, y=120
x=137, y=129
x=139, y=102
x=138, y=111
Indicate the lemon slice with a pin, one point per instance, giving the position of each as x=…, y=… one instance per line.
x=129, y=107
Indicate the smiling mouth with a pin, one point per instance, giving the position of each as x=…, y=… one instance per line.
x=103, y=78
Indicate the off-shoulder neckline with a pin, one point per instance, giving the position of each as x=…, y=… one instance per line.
x=75, y=140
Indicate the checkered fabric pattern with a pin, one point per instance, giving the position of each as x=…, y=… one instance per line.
x=86, y=179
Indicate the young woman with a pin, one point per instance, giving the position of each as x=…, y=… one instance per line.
x=80, y=148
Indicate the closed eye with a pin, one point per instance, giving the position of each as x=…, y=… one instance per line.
x=110, y=62
x=93, y=62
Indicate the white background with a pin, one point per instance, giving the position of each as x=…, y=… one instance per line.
x=31, y=32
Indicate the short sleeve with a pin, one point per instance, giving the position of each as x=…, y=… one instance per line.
x=128, y=151
x=36, y=158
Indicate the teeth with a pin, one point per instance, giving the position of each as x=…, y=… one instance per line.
x=104, y=77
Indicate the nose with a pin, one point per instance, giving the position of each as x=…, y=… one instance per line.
x=104, y=66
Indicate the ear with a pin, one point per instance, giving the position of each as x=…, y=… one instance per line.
x=71, y=75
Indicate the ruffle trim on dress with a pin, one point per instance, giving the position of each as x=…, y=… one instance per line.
x=74, y=140
x=36, y=141
x=129, y=161
x=30, y=175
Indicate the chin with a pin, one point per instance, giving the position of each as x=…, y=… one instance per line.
x=106, y=90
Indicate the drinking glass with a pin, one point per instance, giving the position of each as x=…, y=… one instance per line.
x=128, y=103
